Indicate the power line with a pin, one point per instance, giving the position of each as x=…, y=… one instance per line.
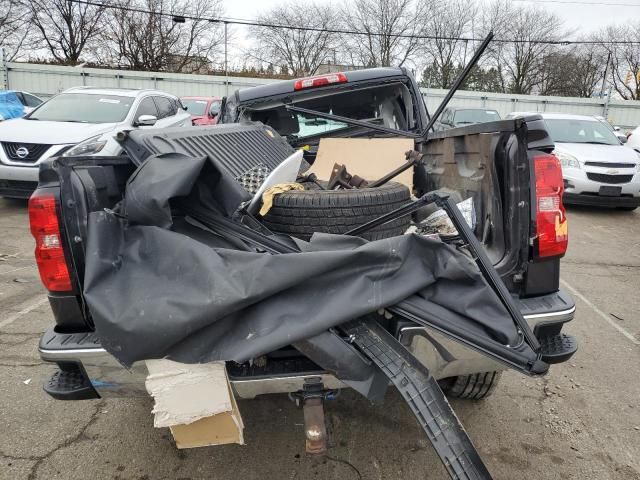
x=181, y=18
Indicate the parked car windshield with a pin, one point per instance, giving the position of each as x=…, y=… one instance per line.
x=475, y=116
x=84, y=108
x=580, y=131
x=195, y=107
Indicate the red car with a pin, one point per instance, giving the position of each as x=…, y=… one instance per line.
x=203, y=110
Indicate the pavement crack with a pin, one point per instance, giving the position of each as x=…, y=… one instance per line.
x=68, y=442
x=14, y=457
x=347, y=463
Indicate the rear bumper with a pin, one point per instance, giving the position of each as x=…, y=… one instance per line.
x=600, y=201
x=110, y=379
x=445, y=358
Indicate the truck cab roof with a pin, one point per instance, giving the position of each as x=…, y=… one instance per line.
x=289, y=86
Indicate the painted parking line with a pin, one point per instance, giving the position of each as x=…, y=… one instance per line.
x=606, y=317
x=27, y=308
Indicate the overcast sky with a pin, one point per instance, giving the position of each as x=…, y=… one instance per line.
x=586, y=15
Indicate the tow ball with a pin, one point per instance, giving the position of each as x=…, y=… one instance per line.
x=311, y=398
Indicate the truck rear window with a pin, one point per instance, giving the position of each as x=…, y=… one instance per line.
x=389, y=106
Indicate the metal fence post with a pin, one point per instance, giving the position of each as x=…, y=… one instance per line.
x=4, y=71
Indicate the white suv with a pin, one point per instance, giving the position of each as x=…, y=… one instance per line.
x=79, y=121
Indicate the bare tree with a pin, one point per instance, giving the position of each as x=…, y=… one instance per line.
x=494, y=16
x=448, y=20
x=523, y=59
x=572, y=72
x=301, y=52
x=144, y=34
x=13, y=28
x=624, y=69
x=66, y=27
x=388, y=28
x=520, y=60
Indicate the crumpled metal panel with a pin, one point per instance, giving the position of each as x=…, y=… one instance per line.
x=245, y=151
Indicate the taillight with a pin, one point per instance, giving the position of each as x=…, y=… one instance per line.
x=49, y=253
x=320, y=81
x=551, y=220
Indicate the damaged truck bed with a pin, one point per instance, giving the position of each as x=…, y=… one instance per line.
x=161, y=254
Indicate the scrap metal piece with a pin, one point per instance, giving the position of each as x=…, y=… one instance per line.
x=475, y=248
x=341, y=178
x=458, y=82
x=413, y=157
x=424, y=397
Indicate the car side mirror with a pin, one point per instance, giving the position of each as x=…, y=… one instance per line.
x=214, y=111
x=146, y=121
x=622, y=138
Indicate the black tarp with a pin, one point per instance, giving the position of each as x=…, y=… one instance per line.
x=159, y=286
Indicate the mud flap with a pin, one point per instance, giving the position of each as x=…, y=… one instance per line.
x=424, y=397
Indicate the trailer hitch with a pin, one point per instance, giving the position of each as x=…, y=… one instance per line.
x=311, y=398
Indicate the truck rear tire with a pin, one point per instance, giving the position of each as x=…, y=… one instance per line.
x=473, y=387
x=301, y=213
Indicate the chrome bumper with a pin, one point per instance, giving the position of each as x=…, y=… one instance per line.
x=110, y=379
x=444, y=357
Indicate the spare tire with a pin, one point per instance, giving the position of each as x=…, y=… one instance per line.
x=301, y=213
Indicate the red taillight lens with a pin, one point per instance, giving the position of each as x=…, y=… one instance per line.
x=320, y=81
x=551, y=220
x=49, y=253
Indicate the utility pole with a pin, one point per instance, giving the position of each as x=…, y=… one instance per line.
x=4, y=71
x=604, y=77
x=605, y=112
x=226, y=70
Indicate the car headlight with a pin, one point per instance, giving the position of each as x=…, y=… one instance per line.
x=567, y=160
x=638, y=164
x=88, y=147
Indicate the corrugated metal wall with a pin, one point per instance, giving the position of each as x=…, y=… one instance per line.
x=47, y=80
x=624, y=113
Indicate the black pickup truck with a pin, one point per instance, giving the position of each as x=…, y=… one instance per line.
x=506, y=167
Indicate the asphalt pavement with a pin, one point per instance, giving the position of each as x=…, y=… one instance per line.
x=580, y=421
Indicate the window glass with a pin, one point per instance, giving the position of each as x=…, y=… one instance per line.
x=465, y=117
x=31, y=100
x=146, y=107
x=214, y=109
x=166, y=107
x=384, y=106
x=580, y=131
x=84, y=108
x=310, y=125
x=195, y=107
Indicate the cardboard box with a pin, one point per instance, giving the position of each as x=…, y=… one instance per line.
x=196, y=402
x=369, y=158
